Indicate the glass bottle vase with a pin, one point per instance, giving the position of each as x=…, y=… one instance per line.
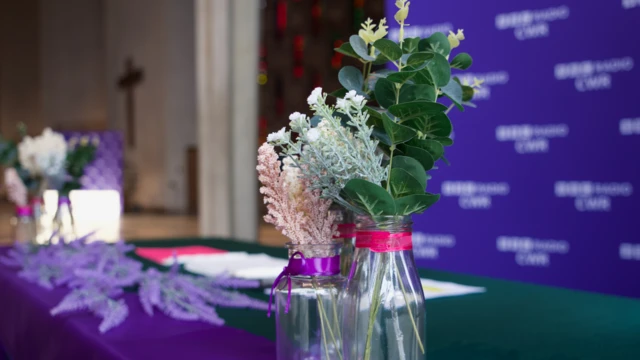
x=384, y=315
x=24, y=228
x=307, y=304
x=63, y=223
x=346, y=235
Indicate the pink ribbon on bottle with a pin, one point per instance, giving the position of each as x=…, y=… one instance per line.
x=25, y=210
x=326, y=266
x=346, y=231
x=383, y=241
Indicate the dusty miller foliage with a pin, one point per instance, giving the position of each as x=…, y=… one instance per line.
x=98, y=274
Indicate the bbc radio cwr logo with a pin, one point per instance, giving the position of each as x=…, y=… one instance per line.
x=489, y=80
x=530, y=251
x=630, y=126
x=630, y=4
x=629, y=251
x=531, y=24
x=421, y=30
x=592, y=196
x=528, y=139
x=473, y=195
x=592, y=75
x=427, y=246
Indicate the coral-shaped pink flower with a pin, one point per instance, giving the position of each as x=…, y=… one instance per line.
x=16, y=191
x=302, y=216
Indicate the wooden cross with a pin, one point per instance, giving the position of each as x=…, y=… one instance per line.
x=127, y=82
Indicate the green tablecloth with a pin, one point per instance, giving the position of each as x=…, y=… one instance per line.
x=511, y=320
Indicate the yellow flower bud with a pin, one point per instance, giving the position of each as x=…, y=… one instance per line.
x=368, y=35
x=477, y=82
x=454, y=39
x=403, y=11
x=84, y=140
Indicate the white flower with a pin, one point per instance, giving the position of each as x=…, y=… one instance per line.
x=342, y=104
x=294, y=116
x=313, y=135
x=298, y=122
x=43, y=155
x=316, y=94
x=350, y=95
x=276, y=136
x=359, y=100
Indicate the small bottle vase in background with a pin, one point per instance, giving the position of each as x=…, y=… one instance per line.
x=24, y=227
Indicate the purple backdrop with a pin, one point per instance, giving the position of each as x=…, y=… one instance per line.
x=542, y=176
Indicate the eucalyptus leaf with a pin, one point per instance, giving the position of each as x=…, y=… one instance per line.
x=434, y=126
x=347, y=49
x=401, y=183
x=440, y=70
x=433, y=147
x=351, y=78
x=462, y=61
x=445, y=141
x=388, y=48
x=413, y=92
x=410, y=45
x=360, y=47
x=381, y=59
x=340, y=93
x=419, y=58
x=396, y=132
x=415, y=204
x=370, y=197
x=385, y=92
x=437, y=43
x=453, y=90
x=410, y=110
x=467, y=93
x=422, y=156
x=411, y=166
x=402, y=76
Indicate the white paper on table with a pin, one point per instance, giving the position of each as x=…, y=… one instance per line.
x=435, y=289
x=238, y=264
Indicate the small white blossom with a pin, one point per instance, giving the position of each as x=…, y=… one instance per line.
x=342, y=104
x=359, y=100
x=316, y=94
x=43, y=155
x=295, y=116
x=276, y=136
x=350, y=95
x=298, y=121
x=313, y=135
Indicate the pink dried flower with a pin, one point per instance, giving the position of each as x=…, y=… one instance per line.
x=16, y=191
x=302, y=216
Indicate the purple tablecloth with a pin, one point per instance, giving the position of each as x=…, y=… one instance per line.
x=28, y=332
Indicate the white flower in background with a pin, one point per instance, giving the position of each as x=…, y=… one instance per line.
x=359, y=101
x=314, y=97
x=350, y=95
x=298, y=121
x=342, y=104
x=16, y=191
x=276, y=137
x=43, y=155
x=313, y=135
x=454, y=39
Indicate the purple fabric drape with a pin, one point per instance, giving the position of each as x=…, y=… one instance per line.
x=28, y=331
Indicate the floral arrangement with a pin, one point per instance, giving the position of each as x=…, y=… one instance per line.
x=98, y=274
x=46, y=161
x=294, y=207
x=370, y=152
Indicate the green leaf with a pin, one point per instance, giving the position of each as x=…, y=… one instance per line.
x=437, y=43
x=385, y=92
x=415, y=204
x=445, y=141
x=412, y=92
x=422, y=156
x=340, y=93
x=467, y=93
x=440, y=70
x=453, y=91
x=403, y=184
x=437, y=125
x=351, y=78
x=388, y=48
x=370, y=197
x=462, y=61
x=381, y=59
x=419, y=58
x=433, y=147
x=347, y=49
x=415, y=109
x=410, y=45
x=401, y=77
x=360, y=47
x=411, y=166
x=397, y=133
x=373, y=78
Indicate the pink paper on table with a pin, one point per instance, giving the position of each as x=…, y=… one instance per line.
x=159, y=255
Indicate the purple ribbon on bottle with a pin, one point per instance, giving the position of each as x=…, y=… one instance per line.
x=326, y=266
x=24, y=210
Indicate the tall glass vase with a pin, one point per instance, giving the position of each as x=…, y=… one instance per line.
x=307, y=304
x=384, y=315
x=63, y=223
x=42, y=223
x=346, y=236
x=24, y=228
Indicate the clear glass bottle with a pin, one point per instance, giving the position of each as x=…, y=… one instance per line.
x=347, y=230
x=43, y=226
x=24, y=228
x=384, y=314
x=308, y=311
x=63, y=224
